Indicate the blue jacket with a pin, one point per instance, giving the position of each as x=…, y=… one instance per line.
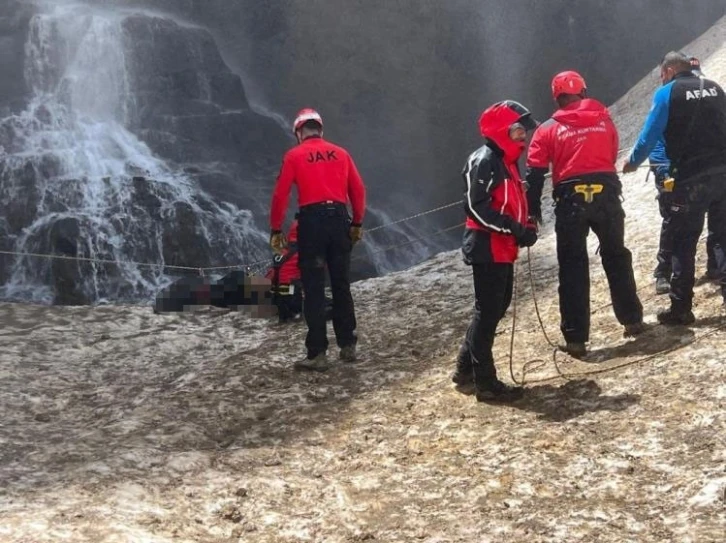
x=659, y=159
x=690, y=122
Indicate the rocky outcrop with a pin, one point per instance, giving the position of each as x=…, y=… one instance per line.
x=76, y=171
x=189, y=107
x=68, y=277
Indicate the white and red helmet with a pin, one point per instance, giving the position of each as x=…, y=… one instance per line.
x=568, y=82
x=305, y=115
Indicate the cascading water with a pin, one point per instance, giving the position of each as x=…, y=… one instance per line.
x=75, y=180
x=81, y=173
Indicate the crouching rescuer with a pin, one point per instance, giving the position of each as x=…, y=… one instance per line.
x=327, y=180
x=284, y=275
x=496, y=226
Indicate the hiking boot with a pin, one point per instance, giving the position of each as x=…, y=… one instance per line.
x=676, y=318
x=634, y=329
x=662, y=285
x=463, y=376
x=319, y=363
x=347, y=354
x=713, y=274
x=574, y=349
x=496, y=391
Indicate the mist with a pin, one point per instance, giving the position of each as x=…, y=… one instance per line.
x=402, y=83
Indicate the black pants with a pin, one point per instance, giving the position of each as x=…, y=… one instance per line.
x=574, y=219
x=290, y=305
x=665, y=247
x=493, y=294
x=689, y=204
x=714, y=249
x=665, y=250
x=324, y=240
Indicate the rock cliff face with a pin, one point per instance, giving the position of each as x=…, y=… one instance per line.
x=129, y=140
x=402, y=83
x=191, y=109
x=144, y=126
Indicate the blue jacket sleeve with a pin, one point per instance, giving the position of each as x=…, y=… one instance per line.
x=659, y=159
x=655, y=125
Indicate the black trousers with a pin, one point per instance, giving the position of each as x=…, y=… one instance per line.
x=324, y=240
x=493, y=294
x=714, y=250
x=290, y=305
x=574, y=219
x=690, y=202
x=664, y=268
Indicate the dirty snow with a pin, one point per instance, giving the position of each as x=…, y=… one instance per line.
x=119, y=425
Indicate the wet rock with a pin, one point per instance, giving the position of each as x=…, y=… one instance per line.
x=191, y=108
x=67, y=276
x=183, y=239
x=6, y=244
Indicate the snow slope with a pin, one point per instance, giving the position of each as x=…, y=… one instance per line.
x=120, y=425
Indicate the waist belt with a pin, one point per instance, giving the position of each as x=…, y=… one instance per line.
x=589, y=190
x=326, y=206
x=284, y=290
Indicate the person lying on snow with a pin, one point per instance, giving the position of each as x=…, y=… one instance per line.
x=236, y=291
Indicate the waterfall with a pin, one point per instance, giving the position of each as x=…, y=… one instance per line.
x=74, y=179
x=138, y=146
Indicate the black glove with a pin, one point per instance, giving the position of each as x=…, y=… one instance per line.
x=528, y=237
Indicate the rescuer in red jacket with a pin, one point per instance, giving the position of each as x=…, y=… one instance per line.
x=284, y=275
x=496, y=226
x=580, y=141
x=327, y=180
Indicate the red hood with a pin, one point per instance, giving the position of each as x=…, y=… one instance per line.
x=587, y=112
x=494, y=124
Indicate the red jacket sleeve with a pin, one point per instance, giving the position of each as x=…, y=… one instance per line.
x=356, y=192
x=538, y=155
x=281, y=193
x=616, y=142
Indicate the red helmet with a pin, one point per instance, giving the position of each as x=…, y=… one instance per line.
x=304, y=116
x=567, y=83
